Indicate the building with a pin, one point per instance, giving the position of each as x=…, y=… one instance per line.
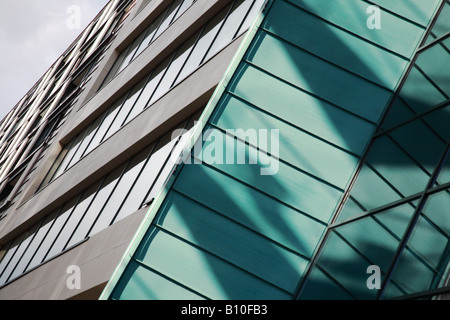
x=234, y=149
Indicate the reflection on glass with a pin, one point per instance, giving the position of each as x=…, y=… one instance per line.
x=353, y=247
x=426, y=87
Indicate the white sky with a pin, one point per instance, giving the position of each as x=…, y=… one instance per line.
x=33, y=34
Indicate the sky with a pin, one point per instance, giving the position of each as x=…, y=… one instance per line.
x=33, y=35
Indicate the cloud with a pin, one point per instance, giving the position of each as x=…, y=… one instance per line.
x=33, y=34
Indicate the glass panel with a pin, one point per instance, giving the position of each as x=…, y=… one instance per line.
x=251, y=15
x=101, y=197
x=55, y=166
x=21, y=253
x=435, y=62
x=353, y=247
x=131, y=52
x=425, y=264
x=114, y=68
x=150, y=32
x=120, y=193
x=30, y=256
x=184, y=6
x=73, y=148
x=119, y=121
x=74, y=220
x=109, y=118
x=140, y=189
x=173, y=69
x=55, y=231
x=230, y=27
x=8, y=260
x=81, y=152
x=207, y=37
x=168, y=17
x=157, y=161
x=156, y=77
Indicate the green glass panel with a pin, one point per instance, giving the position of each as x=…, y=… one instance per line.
x=283, y=182
x=231, y=241
x=352, y=15
x=334, y=44
x=347, y=266
x=435, y=62
x=298, y=148
x=412, y=275
x=318, y=77
x=321, y=287
x=201, y=271
x=140, y=283
x=444, y=175
x=301, y=109
x=397, y=167
x=423, y=140
x=430, y=244
x=417, y=10
x=371, y=192
x=438, y=122
x=250, y=208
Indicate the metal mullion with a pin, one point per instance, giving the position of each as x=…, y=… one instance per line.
x=189, y=55
x=165, y=162
x=86, y=210
x=407, y=235
x=243, y=19
x=23, y=253
x=172, y=58
x=377, y=210
x=307, y=215
x=21, y=237
x=132, y=185
x=119, y=108
x=58, y=166
x=262, y=235
x=84, y=133
x=416, y=117
x=303, y=171
x=176, y=13
x=227, y=261
x=44, y=237
x=165, y=276
x=434, y=42
x=64, y=224
x=119, y=178
x=312, y=94
x=415, y=161
x=103, y=115
x=218, y=31
x=431, y=81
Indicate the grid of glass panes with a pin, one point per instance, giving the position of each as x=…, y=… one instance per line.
x=145, y=38
x=123, y=191
x=203, y=45
x=397, y=216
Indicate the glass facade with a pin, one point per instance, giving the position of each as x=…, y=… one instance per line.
x=362, y=178
x=118, y=194
x=226, y=26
